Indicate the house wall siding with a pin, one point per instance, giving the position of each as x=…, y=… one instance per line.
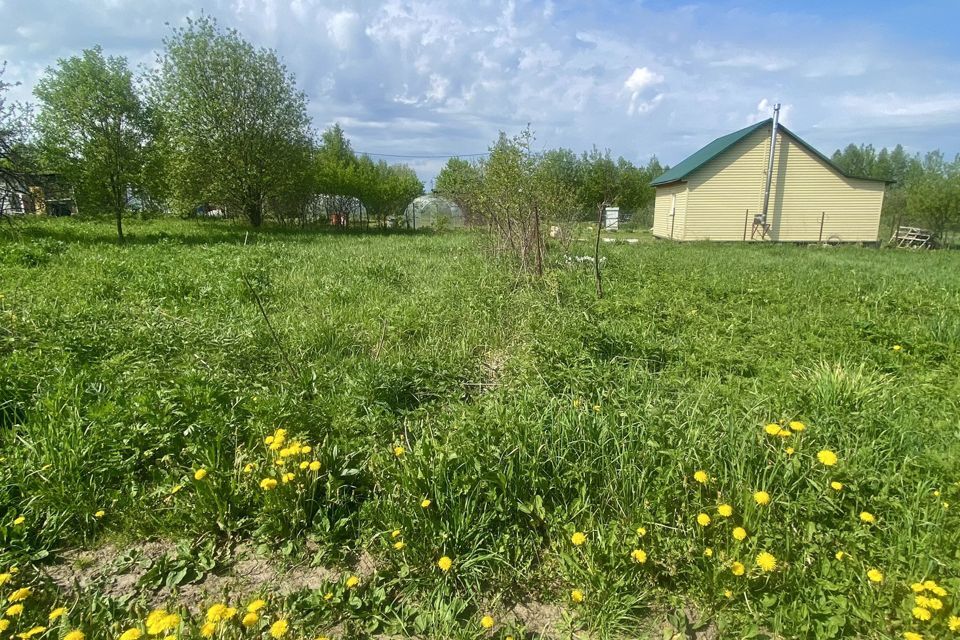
x=727, y=191
x=805, y=187
x=663, y=225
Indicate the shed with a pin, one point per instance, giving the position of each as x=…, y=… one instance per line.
x=718, y=193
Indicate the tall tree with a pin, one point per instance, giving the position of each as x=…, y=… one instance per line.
x=460, y=182
x=335, y=170
x=91, y=128
x=237, y=124
x=15, y=159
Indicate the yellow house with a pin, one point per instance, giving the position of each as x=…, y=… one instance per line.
x=718, y=193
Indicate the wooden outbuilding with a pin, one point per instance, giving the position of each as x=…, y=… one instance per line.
x=722, y=192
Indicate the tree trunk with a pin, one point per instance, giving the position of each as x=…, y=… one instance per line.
x=596, y=252
x=120, y=226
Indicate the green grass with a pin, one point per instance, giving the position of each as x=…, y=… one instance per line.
x=527, y=411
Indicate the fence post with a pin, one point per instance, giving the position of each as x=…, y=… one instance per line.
x=823, y=214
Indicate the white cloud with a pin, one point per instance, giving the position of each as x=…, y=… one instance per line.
x=439, y=76
x=344, y=29
x=641, y=78
x=764, y=110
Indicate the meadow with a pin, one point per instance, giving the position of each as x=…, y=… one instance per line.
x=210, y=432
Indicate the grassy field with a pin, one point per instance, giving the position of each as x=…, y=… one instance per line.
x=419, y=444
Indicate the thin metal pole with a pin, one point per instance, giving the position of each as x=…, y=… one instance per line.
x=773, y=146
x=673, y=221
x=746, y=217
x=823, y=214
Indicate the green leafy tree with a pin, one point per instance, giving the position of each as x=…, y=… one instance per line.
x=236, y=123
x=91, y=127
x=935, y=199
x=460, y=182
x=16, y=158
x=335, y=166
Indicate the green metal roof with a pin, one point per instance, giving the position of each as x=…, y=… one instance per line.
x=721, y=144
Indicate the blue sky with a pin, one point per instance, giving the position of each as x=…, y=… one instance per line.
x=431, y=77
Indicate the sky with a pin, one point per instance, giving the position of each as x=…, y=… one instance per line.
x=640, y=78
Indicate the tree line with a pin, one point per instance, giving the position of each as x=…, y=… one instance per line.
x=925, y=190
x=217, y=123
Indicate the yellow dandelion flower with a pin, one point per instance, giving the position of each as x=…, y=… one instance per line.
x=279, y=628
x=930, y=585
x=839, y=555
x=827, y=458
x=216, y=612
x=328, y=596
x=725, y=510
x=399, y=451
x=352, y=582
x=797, y=426
x=99, y=514
x=703, y=519
x=208, y=629
x=639, y=555
x=836, y=486
x=176, y=489
x=772, y=429
x=875, y=575
x=762, y=498
x=790, y=451
x=897, y=347
x=315, y=466
x=76, y=634
x=306, y=449
x=395, y=533
x=304, y=465
x=33, y=631
x=737, y=569
x=921, y=601
x=57, y=613
x=739, y=533
x=912, y=635
x=578, y=538
x=596, y=408
x=938, y=590
x=131, y=634
x=954, y=623
x=5, y=578
x=13, y=610
x=268, y=440
x=921, y=614
x=4, y=624
x=867, y=517
x=19, y=520
x=268, y=483
x=200, y=474
x=20, y=594
x=425, y=503
x=641, y=531
x=445, y=563
x=917, y=587
x=486, y=622
x=256, y=606
x=708, y=552
x=249, y=619
x=727, y=594
x=576, y=595
x=701, y=476
x=935, y=604
x=766, y=561
x=287, y=477
x=399, y=545
x=248, y=468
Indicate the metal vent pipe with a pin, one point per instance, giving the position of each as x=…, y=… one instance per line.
x=773, y=146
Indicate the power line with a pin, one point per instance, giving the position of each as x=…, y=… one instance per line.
x=435, y=157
